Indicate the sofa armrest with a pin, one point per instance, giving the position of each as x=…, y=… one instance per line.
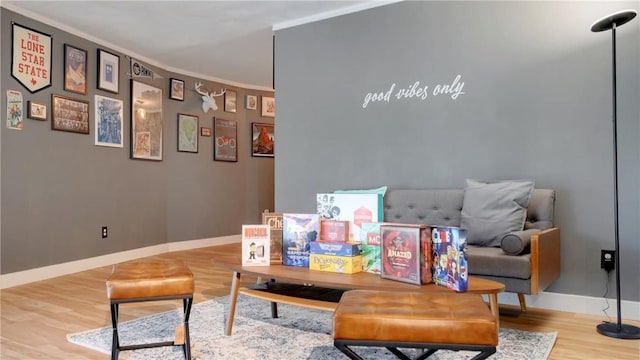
x=545, y=259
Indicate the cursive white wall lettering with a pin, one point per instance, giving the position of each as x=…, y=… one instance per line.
x=417, y=91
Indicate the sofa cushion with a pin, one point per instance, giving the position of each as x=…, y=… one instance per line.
x=492, y=209
x=492, y=261
x=517, y=242
x=434, y=207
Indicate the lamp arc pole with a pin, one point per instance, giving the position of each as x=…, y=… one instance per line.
x=616, y=330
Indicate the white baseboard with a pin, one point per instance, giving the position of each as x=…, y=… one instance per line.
x=53, y=271
x=587, y=305
x=546, y=300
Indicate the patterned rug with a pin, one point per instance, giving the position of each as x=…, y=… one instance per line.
x=298, y=333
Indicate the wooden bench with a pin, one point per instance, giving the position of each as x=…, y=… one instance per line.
x=414, y=320
x=138, y=281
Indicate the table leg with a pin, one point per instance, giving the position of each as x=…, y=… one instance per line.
x=233, y=297
x=495, y=310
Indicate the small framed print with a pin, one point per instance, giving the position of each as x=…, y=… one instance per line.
x=177, y=89
x=108, y=71
x=108, y=121
x=268, y=106
x=187, y=133
x=205, y=131
x=75, y=69
x=36, y=111
x=263, y=140
x=251, y=102
x=230, y=101
x=225, y=132
x=69, y=114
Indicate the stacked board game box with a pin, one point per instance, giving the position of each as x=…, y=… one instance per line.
x=340, y=257
x=354, y=208
x=274, y=220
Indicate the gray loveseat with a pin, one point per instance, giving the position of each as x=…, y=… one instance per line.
x=534, y=263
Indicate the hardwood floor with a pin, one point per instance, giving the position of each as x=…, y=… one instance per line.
x=35, y=318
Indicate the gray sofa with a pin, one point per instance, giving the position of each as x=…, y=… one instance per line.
x=527, y=262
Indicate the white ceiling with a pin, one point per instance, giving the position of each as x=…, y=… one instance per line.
x=227, y=41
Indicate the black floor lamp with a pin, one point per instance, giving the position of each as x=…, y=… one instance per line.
x=617, y=330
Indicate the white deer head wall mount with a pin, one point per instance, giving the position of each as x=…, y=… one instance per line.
x=208, y=101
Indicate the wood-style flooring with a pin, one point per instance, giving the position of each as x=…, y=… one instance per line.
x=35, y=318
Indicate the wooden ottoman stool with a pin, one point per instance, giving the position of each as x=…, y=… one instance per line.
x=144, y=280
x=393, y=320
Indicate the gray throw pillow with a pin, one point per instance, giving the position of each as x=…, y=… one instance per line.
x=492, y=209
x=517, y=242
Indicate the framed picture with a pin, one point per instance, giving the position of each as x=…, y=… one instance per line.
x=75, y=69
x=205, y=131
x=188, y=133
x=108, y=121
x=251, y=102
x=225, y=133
x=69, y=114
x=268, y=106
x=177, y=89
x=262, y=140
x=146, y=121
x=36, y=110
x=230, y=101
x=108, y=71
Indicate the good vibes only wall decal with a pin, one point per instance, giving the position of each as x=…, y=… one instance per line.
x=416, y=91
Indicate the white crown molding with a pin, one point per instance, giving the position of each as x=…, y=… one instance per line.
x=333, y=13
x=127, y=52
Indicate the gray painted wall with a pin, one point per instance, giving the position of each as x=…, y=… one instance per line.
x=536, y=104
x=59, y=189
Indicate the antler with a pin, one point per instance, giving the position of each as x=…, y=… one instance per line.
x=198, y=86
x=216, y=94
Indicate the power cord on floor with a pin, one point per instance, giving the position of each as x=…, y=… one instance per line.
x=606, y=291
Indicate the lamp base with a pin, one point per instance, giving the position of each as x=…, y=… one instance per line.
x=625, y=332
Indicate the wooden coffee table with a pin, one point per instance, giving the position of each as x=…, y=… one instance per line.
x=312, y=280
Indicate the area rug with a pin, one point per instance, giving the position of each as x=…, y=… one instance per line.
x=298, y=333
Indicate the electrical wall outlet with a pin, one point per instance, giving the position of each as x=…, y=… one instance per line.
x=104, y=232
x=607, y=259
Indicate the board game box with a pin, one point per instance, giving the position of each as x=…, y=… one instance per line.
x=450, y=257
x=336, y=248
x=298, y=232
x=402, y=256
x=274, y=220
x=355, y=208
x=334, y=230
x=336, y=264
x=255, y=245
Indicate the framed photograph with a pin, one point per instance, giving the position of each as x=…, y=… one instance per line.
x=69, y=114
x=188, y=133
x=36, y=110
x=177, y=89
x=108, y=121
x=205, y=131
x=230, y=101
x=108, y=71
x=146, y=121
x=226, y=134
x=251, y=102
x=75, y=69
x=263, y=140
x=268, y=106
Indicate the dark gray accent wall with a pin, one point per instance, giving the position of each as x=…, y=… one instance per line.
x=536, y=105
x=59, y=189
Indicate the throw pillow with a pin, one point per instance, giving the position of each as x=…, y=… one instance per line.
x=492, y=209
x=517, y=242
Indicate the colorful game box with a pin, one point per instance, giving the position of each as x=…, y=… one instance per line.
x=334, y=230
x=401, y=252
x=298, y=232
x=355, y=208
x=336, y=248
x=336, y=264
x=450, y=257
x=255, y=245
x=370, y=238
